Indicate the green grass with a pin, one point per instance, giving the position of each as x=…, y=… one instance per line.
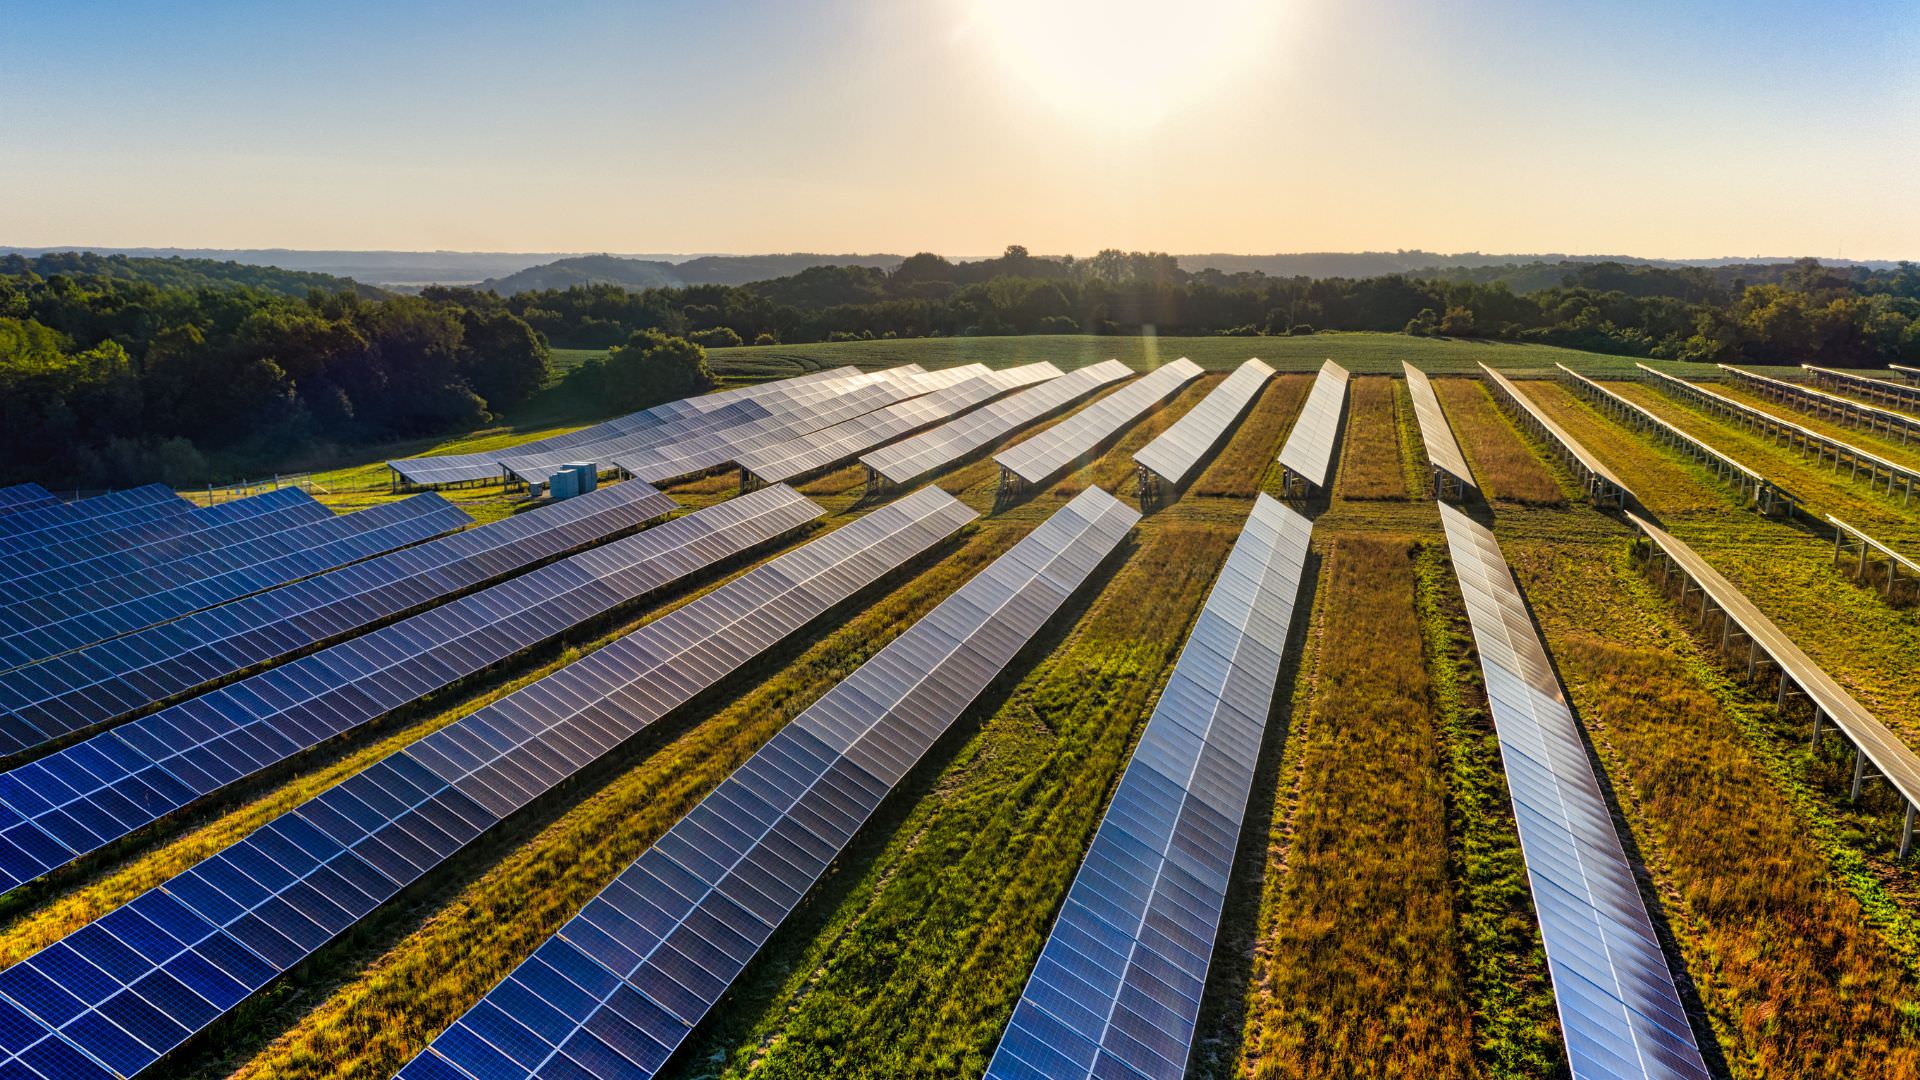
x=1361, y=353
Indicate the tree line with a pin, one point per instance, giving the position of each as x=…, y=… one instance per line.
x=114, y=372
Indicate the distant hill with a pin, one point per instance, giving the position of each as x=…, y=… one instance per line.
x=1360, y=264
x=656, y=273
x=587, y=270
x=184, y=273
x=742, y=269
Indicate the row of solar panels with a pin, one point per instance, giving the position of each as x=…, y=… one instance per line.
x=1116, y=991
x=17, y=497
x=467, y=468
x=594, y=1032
x=620, y=986
x=1032, y=461
x=76, y=800
x=839, y=401
x=109, y=1000
x=818, y=450
x=903, y=462
x=117, y=678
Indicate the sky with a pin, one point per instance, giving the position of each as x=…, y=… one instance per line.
x=1657, y=128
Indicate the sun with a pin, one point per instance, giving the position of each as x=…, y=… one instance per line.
x=1124, y=62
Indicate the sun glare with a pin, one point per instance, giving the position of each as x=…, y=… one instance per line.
x=1124, y=62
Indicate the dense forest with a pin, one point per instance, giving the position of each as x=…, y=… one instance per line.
x=115, y=370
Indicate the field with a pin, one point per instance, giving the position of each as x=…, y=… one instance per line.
x=1360, y=353
x=1378, y=922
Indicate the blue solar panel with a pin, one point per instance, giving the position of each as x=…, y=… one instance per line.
x=1117, y=989
x=102, y=513
x=57, y=567
x=246, y=914
x=622, y=983
x=76, y=800
x=1620, y=1012
x=50, y=625
x=20, y=497
x=114, y=678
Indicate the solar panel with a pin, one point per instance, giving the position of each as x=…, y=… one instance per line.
x=1306, y=461
x=110, y=680
x=1451, y=477
x=239, y=918
x=1620, y=1015
x=1117, y=988
x=828, y=404
x=1601, y=485
x=910, y=459
x=87, y=558
x=822, y=449
x=1892, y=759
x=103, y=513
x=470, y=468
x=621, y=985
x=51, y=625
x=18, y=497
x=712, y=440
x=1173, y=456
x=169, y=558
x=1033, y=461
x=1842, y=410
x=1768, y=497
x=1883, y=390
x=1797, y=435
x=78, y=799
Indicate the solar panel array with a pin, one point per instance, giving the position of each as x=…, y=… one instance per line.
x=1600, y=483
x=675, y=419
x=1883, y=390
x=1117, y=988
x=834, y=404
x=1052, y=450
x=238, y=919
x=51, y=625
x=18, y=497
x=62, y=522
x=103, y=682
x=75, y=800
x=55, y=567
x=813, y=452
x=1796, y=435
x=703, y=442
x=1620, y=1014
x=622, y=983
x=910, y=459
x=1451, y=476
x=1890, y=755
x=1843, y=410
x=250, y=534
x=1306, y=461
x=1768, y=497
x=1177, y=452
